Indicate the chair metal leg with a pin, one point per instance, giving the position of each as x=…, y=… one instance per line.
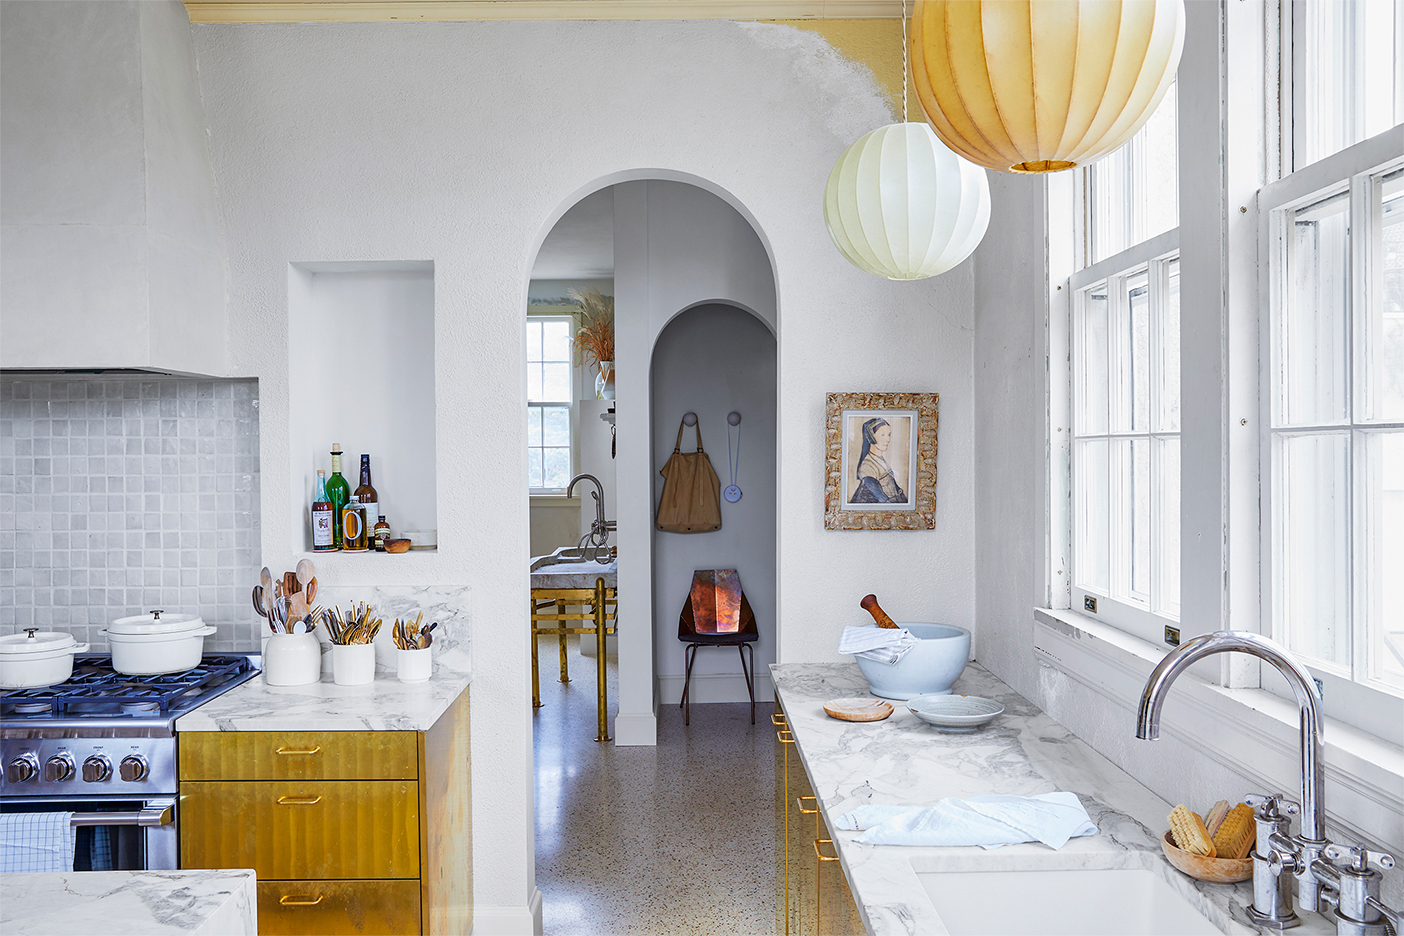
x=690, y=654
x=750, y=682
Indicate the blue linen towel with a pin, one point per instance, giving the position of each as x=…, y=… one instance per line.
x=988, y=821
x=36, y=842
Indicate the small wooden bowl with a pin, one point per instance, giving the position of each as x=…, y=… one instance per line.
x=1212, y=870
x=397, y=546
x=858, y=709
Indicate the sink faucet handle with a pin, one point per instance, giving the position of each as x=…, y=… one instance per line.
x=1359, y=856
x=1272, y=805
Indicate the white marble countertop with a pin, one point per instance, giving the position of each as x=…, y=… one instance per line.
x=575, y=575
x=142, y=903
x=903, y=761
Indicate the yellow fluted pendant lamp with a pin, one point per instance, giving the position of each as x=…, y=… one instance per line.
x=899, y=204
x=1042, y=86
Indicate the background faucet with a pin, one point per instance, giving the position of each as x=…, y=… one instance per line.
x=599, y=529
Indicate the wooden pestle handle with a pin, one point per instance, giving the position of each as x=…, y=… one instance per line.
x=870, y=605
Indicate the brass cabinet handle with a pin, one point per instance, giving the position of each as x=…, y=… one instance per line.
x=778, y=720
x=286, y=751
x=820, y=855
x=299, y=800
x=799, y=804
x=293, y=900
x=784, y=736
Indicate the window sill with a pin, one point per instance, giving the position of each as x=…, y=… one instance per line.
x=1250, y=731
x=554, y=500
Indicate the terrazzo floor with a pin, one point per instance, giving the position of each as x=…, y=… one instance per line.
x=673, y=839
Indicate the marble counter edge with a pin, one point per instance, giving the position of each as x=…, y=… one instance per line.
x=193, y=901
x=884, y=879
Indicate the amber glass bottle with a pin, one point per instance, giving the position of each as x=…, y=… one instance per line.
x=369, y=501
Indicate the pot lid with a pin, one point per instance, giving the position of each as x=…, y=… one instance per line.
x=33, y=640
x=156, y=622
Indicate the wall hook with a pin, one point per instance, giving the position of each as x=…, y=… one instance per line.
x=689, y=419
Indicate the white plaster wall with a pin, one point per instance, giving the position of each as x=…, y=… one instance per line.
x=442, y=141
x=711, y=360
x=109, y=227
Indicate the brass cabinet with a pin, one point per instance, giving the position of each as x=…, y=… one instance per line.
x=813, y=897
x=348, y=831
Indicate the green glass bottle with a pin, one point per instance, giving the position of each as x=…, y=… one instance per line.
x=338, y=492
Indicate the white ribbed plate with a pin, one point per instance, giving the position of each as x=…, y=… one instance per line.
x=955, y=712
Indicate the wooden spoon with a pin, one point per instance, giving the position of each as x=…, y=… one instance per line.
x=265, y=579
x=310, y=589
x=305, y=572
x=870, y=605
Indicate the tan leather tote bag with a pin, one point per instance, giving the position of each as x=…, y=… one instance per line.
x=691, y=501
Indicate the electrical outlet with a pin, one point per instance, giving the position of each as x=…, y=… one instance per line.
x=1172, y=635
x=1089, y=603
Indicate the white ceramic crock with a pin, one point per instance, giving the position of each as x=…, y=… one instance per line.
x=414, y=666
x=37, y=658
x=292, y=659
x=353, y=664
x=156, y=643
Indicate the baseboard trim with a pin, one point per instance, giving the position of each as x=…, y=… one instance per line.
x=636, y=729
x=509, y=921
x=715, y=687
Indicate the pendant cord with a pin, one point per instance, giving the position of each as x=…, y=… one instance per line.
x=905, y=68
x=734, y=466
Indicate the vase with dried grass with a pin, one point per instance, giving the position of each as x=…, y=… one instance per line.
x=594, y=337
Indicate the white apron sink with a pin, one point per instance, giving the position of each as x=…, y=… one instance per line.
x=1121, y=902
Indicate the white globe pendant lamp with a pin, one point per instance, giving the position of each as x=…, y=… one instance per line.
x=899, y=204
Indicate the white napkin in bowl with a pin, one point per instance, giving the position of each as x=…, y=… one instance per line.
x=882, y=644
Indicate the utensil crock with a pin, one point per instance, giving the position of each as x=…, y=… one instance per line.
x=353, y=664
x=292, y=659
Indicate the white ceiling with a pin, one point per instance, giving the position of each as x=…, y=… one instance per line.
x=581, y=245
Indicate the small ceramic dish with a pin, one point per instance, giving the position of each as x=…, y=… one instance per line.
x=858, y=709
x=956, y=713
x=1212, y=870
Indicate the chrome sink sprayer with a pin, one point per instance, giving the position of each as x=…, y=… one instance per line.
x=1352, y=888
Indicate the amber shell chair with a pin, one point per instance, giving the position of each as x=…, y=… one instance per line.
x=713, y=633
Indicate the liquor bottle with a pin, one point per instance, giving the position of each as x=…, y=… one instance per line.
x=338, y=492
x=382, y=533
x=353, y=526
x=368, y=499
x=322, y=525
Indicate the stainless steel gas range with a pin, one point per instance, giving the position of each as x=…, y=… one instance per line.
x=103, y=746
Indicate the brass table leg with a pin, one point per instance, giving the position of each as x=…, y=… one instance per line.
x=560, y=613
x=535, y=668
x=601, y=685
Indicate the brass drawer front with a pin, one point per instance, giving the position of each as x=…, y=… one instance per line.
x=300, y=830
x=299, y=755
x=312, y=908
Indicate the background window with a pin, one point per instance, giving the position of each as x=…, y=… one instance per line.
x=1126, y=445
x=1133, y=194
x=549, y=402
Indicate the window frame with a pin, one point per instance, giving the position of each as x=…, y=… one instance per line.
x=1353, y=692
x=546, y=315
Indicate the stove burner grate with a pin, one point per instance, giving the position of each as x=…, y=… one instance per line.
x=96, y=689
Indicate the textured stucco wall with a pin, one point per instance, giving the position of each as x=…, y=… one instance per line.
x=462, y=143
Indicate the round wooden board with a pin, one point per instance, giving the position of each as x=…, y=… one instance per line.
x=858, y=709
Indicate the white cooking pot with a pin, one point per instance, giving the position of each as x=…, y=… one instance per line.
x=155, y=643
x=37, y=658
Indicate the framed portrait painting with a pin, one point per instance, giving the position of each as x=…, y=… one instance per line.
x=880, y=461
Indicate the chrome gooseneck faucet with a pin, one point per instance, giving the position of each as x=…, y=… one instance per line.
x=599, y=529
x=1279, y=857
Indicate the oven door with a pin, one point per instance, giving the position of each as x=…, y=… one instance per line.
x=114, y=834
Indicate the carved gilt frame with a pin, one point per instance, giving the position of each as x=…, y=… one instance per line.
x=922, y=515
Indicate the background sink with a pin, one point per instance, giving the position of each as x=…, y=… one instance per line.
x=1118, y=902
x=574, y=555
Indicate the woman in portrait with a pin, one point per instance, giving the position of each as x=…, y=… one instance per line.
x=876, y=482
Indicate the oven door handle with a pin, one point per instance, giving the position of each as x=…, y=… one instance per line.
x=156, y=813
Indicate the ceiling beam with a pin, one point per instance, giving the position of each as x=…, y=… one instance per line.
x=384, y=11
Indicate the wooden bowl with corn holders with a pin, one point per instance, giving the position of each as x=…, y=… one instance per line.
x=1210, y=870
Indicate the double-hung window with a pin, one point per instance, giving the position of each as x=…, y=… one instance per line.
x=550, y=402
x=1125, y=385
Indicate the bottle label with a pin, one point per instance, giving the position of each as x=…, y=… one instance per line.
x=321, y=529
x=372, y=514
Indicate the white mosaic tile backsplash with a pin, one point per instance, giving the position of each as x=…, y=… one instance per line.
x=120, y=494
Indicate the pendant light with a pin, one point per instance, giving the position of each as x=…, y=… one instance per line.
x=1041, y=87
x=901, y=205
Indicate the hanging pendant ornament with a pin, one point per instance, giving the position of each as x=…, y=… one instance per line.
x=899, y=204
x=733, y=493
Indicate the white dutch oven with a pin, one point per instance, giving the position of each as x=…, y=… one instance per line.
x=37, y=658
x=156, y=643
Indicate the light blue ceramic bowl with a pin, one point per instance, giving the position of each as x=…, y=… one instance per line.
x=929, y=668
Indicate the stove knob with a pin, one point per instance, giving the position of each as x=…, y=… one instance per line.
x=97, y=768
x=60, y=767
x=133, y=768
x=22, y=769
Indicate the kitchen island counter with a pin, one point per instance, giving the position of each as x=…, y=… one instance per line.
x=903, y=761
x=149, y=903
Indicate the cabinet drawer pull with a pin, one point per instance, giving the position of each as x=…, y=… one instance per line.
x=299, y=800
x=287, y=751
x=799, y=804
x=296, y=900
x=778, y=720
x=784, y=736
x=820, y=855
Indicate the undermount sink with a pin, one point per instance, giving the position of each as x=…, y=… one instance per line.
x=574, y=555
x=1120, y=902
